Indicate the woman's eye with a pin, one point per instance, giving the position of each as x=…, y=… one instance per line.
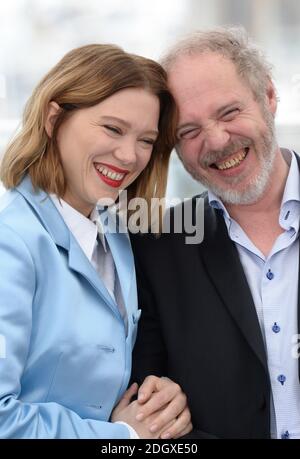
x=148, y=141
x=113, y=129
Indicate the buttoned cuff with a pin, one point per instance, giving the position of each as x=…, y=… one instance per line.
x=132, y=432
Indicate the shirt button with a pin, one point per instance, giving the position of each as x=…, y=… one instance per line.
x=276, y=328
x=285, y=435
x=270, y=275
x=281, y=379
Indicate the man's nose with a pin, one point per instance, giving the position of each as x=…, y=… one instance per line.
x=216, y=137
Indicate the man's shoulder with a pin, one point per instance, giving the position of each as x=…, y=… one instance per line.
x=183, y=222
x=194, y=201
x=196, y=206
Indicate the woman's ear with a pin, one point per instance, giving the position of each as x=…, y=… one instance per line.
x=51, y=116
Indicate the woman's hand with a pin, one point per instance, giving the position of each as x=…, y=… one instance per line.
x=126, y=411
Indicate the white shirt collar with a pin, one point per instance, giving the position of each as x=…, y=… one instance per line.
x=83, y=229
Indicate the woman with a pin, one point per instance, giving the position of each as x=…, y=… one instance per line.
x=101, y=120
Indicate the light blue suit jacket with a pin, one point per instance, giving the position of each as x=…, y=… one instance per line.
x=65, y=357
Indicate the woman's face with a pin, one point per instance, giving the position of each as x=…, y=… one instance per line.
x=105, y=147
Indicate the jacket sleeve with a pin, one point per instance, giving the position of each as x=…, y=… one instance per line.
x=19, y=419
x=150, y=355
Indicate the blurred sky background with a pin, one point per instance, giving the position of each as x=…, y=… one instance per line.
x=35, y=34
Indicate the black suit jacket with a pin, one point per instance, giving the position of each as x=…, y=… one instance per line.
x=199, y=327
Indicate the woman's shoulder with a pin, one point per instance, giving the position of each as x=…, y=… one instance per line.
x=17, y=215
x=11, y=204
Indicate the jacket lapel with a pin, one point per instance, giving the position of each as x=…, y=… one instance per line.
x=120, y=246
x=78, y=262
x=223, y=265
x=54, y=224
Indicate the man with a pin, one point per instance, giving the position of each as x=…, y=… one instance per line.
x=220, y=317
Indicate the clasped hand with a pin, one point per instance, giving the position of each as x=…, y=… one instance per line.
x=160, y=410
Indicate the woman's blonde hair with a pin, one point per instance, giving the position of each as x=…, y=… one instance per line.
x=84, y=77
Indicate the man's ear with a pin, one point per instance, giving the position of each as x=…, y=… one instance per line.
x=51, y=116
x=271, y=97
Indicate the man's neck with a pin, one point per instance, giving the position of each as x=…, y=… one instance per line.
x=260, y=220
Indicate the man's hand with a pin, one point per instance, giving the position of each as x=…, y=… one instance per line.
x=126, y=411
x=167, y=404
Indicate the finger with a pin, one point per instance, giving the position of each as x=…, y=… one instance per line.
x=166, y=391
x=157, y=401
x=126, y=399
x=167, y=411
x=180, y=427
x=184, y=432
x=147, y=388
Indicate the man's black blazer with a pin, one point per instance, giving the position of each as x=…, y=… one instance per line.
x=199, y=327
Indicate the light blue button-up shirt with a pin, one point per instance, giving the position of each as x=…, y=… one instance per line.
x=273, y=281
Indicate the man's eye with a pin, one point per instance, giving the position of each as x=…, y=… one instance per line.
x=228, y=116
x=113, y=129
x=189, y=134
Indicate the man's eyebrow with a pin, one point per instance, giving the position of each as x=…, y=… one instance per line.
x=126, y=124
x=217, y=113
x=226, y=107
x=187, y=125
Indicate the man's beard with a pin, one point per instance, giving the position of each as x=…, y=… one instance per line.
x=258, y=184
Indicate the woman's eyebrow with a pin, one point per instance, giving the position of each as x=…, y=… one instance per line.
x=125, y=123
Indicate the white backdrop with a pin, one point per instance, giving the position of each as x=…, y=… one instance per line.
x=34, y=34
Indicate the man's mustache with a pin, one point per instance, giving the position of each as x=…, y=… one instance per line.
x=217, y=155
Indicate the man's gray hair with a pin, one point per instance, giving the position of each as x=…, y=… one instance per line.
x=232, y=43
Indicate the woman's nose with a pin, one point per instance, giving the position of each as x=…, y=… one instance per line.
x=126, y=153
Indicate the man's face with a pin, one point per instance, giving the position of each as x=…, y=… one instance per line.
x=225, y=137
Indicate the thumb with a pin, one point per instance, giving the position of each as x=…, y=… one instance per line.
x=126, y=399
